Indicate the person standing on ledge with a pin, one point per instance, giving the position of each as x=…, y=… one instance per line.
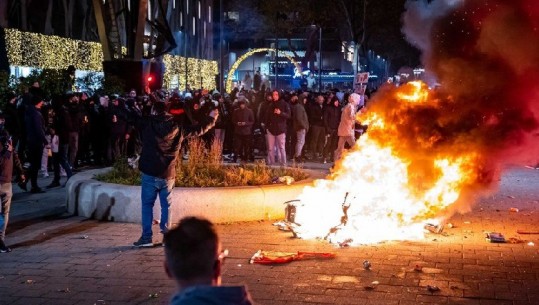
x=193, y=258
x=161, y=137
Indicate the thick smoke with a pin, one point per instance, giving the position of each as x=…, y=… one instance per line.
x=485, y=55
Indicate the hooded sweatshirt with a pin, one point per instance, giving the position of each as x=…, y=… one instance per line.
x=161, y=141
x=212, y=295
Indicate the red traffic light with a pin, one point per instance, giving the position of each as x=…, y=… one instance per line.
x=150, y=79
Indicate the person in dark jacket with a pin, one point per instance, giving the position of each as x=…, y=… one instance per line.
x=193, y=259
x=161, y=143
x=300, y=123
x=61, y=125
x=9, y=161
x=332, y=118
x=316, y=123
x=35, y=139
x=276, y=116
x=243, y=119
x=119, y=133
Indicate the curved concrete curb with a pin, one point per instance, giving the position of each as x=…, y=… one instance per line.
x=112, y=202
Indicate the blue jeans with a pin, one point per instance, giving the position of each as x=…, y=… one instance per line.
x=150, y=188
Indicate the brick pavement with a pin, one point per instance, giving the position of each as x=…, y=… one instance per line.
x=77, y=261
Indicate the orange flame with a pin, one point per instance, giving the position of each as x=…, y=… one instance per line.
x=388, y=192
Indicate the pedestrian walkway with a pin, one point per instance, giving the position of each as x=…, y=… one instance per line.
x=77, y=261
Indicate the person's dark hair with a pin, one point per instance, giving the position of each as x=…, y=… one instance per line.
x=191, y=249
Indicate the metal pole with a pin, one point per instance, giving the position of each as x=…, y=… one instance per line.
x=276, y=61
x=221, y=41
x=320, y=61
x=185, y=54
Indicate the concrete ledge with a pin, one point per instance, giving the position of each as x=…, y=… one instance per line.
x=113, y=202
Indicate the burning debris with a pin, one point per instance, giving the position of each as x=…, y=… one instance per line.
x=429, y=153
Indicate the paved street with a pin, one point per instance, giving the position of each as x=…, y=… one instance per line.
x=70, y=260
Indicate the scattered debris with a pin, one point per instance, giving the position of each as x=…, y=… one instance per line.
x=467, y=222
x=66, y=290
x=531, y=244
x=84, y=237
x=345, y=243
x=283, y=225
x=153, y=295
x=239, y=265
x=366, y=265
x=28, y=282
x=512, y=197
x=100, y=302
x=432, y=288
x=274, y=257
x=436, y=229
x=513, y=210
x=372, y=285
x=450, y=225
x=495, y=237
x=418, y=268
x=283, y=179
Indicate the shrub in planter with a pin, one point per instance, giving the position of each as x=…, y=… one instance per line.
x=204, y=168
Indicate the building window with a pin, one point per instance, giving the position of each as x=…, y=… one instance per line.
x=209, y=14
x=199, y=10
x=187, y=10
x=204, y=30
x=194, y=26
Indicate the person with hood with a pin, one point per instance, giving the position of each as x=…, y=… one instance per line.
x=347, y=124
x=300, y=122
x=332, y=118
x=275, y=122
x=194, y=259
x=35, y=139
x=243, y=120
x=161, y=139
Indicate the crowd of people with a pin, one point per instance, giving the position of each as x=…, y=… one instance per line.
x=63, y=133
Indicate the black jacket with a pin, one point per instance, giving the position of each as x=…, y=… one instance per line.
x=332, y=118
x=161, y=142
x=276, y=123
x=35, y=127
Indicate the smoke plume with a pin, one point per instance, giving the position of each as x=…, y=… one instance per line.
x=485, y=55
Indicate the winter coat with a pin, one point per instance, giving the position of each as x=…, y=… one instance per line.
x=316, y=115
x=348, y=120
x=35, y=127
x=62, y=124
x=332, y=118
x=161, y=141
x=213, y=295
x=276, y=123
x=299, y=117
x=243, y=115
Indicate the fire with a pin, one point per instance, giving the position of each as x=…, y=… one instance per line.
x=387, y=187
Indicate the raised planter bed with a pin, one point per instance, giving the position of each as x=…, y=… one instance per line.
x=91, y=198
